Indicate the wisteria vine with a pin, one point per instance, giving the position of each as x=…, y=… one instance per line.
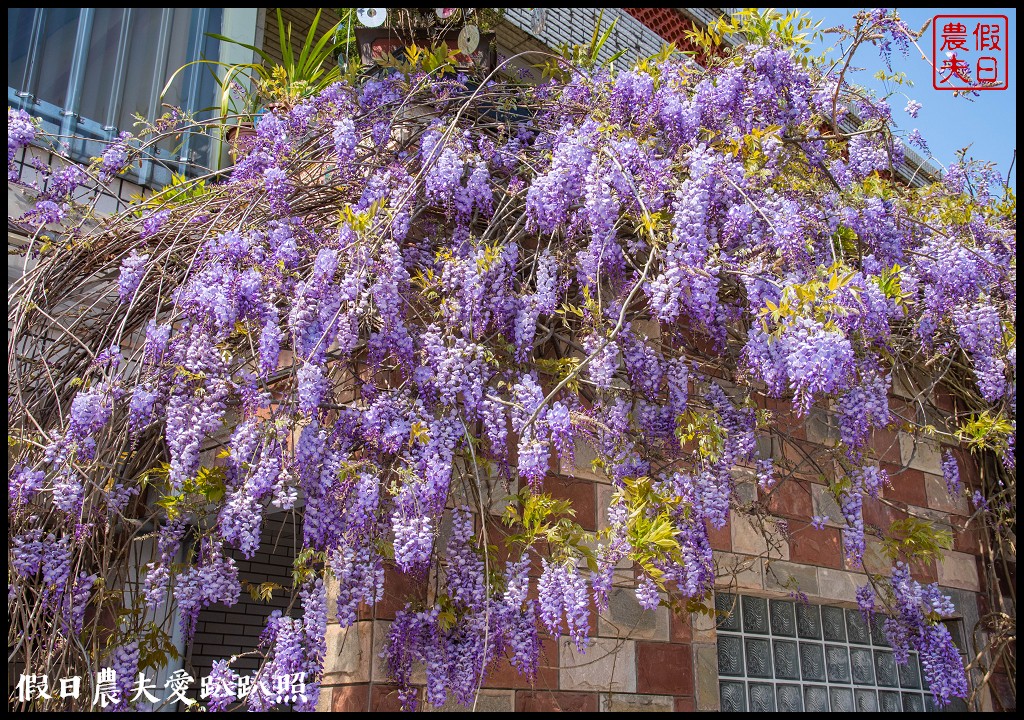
x=422, y=291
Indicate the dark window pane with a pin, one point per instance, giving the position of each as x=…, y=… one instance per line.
x=857, y=628
x=837, y=661
x=755, y=615
x=889, y=701
x=727, y=608
x=55, y=52
x=179, y=46
x=833, y=623
x=209, y=88
x=202, y=147
x=99, y=80
x=762, y=697
x=812, y=662
x=783, y=620
x=19, y=33
x=808, y=621
x=787, y=666
x=866, y=700
x=141, y=65
x=878, y=631
x=913, y=702
x=885, y=668
x=759, y=658
x=863, y=667
x=790, y=698
x=733, y=696
x=956, y=705
x=842, y=699
x=910, y=676
x=815, y=699
x=730, y=655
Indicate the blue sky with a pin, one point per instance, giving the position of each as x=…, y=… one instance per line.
x=988, y=122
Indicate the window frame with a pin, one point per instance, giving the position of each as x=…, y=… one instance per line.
x=88, y=137
x=733, y=624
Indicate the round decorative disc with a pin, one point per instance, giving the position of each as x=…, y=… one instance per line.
x=469, y=39
x=372, y=17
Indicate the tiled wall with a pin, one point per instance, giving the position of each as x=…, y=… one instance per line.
x=224, y=631
x=657, y=661
x=115, y=197
x=637, y=660
x=640, y=660
x=797, y=558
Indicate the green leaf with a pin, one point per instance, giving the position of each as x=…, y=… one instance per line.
x=987, y=431
x=916, y=539
x=446, y=620
x=261, y=592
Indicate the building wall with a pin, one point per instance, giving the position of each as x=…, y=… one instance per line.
x=301, y=19
x=667, y=23
x=224, y=631
x=637, y=659
x=661, y=661
x=756, y=554
x=657, y=660
x=557, y=26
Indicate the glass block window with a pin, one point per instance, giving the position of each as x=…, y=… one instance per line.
x=784, y=656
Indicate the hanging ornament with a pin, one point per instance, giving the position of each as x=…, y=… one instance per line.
x=372, y=17
x=469, y=40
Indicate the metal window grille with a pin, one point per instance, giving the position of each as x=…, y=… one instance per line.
x=784, y=656
x=62, y=61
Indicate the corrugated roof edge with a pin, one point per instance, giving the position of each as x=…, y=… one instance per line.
x=915, y=170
